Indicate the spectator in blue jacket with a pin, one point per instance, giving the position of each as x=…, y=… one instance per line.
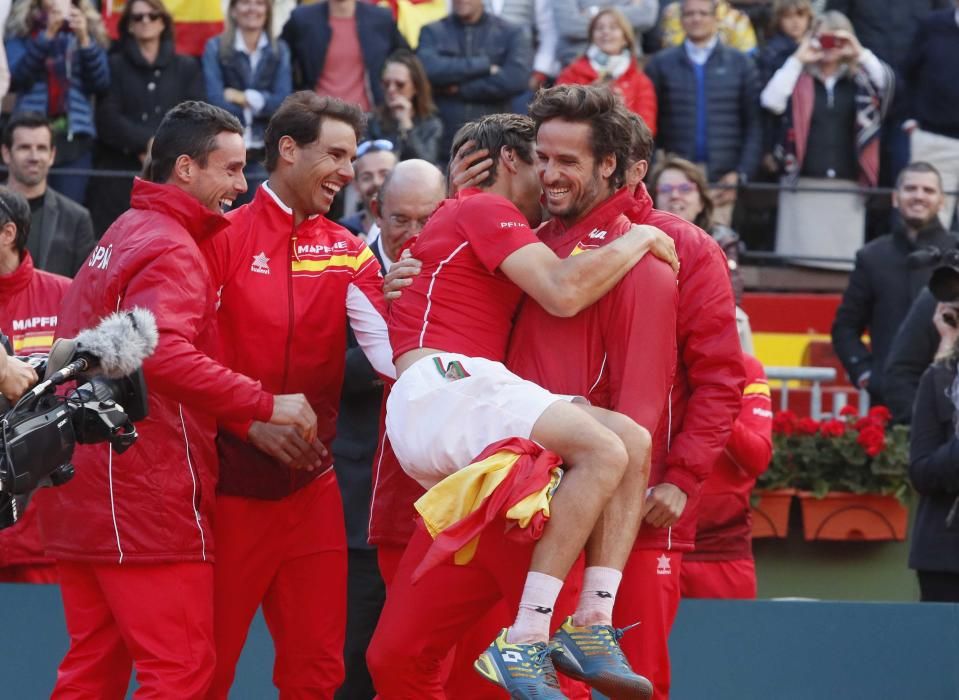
x=708, y=96
x=57, y=64
x=476, y=62
x=358, y=36
x=247, y=73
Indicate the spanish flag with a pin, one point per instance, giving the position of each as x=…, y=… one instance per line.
x=194, y=21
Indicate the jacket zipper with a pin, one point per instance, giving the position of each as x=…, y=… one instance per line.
x=289, y=331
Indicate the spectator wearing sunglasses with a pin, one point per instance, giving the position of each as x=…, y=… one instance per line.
x=679, y=187
x=407, y=115
x=148, y=78
x=247, y=73
x=374, y=161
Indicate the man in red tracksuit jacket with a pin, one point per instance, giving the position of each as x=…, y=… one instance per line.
x=290, y=279
x=132, y=533
x=29, y=303
x=704, y=401
x=722, y=564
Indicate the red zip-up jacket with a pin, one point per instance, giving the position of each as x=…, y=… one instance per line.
x=634, y=86
x=285, y=295
x=154, y=503
x=29, y=304
x=620, y=353
x=724, y=525
x=708, y=388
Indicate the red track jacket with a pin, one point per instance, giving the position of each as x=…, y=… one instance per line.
x=708, y=389
x=724, y=526
x=153, y=503
x=285, y=297
x=29, y=303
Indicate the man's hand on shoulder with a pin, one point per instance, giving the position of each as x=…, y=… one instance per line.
x=653, y=240
x=284, y=443
x=664, y=505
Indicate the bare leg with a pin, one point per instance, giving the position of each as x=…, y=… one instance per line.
x=596, y=461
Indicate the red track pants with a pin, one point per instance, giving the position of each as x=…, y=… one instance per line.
x=157, y=618
x=649, y=594
x=734, y=578
x=290, y=556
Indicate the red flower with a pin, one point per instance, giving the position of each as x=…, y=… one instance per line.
x=849, y=410
x=784, y=423
x=833, y=428
x=807, y=426
x=880, y=414
x=872, y=438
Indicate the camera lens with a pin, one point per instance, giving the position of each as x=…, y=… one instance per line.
x=944, y=284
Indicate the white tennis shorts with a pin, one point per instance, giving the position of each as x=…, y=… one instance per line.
x=447, y=408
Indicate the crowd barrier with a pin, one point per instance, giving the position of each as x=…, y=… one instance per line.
x=721, y=650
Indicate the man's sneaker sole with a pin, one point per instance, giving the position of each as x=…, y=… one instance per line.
x=612, y=686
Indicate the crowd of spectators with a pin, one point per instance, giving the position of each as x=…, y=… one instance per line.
x=823, y=97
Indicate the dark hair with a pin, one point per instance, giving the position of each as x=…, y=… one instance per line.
x=601, y=109
x=189, y=129
x=705, y=218
x=301, y=117
x=423, y=105
x=14, y=207
x=919, y=166
x=123, y=26
x=25, y=120
x=641, y=146
x=495, y=132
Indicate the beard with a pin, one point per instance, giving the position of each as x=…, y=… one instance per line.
x=918, y=223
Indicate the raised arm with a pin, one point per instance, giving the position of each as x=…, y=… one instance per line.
x=564, y=287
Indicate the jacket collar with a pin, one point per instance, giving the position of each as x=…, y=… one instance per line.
x=929, y=235
x=132, y=52
x=621, y=202
x=19, y=279
x=183, y=208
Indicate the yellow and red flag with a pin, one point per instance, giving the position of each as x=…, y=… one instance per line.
x=194, y=21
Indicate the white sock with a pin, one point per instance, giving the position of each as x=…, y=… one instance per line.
x=535, y=609
x=600, y=584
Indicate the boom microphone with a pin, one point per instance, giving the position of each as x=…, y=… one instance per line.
x=116, y=347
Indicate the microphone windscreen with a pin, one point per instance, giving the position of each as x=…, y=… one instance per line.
x=120, y=342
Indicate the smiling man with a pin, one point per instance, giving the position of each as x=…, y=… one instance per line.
x=132, y=534
x=882, y=287
x=289, y=280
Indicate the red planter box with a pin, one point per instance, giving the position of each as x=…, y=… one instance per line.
x=771, y=514
x=850, y=516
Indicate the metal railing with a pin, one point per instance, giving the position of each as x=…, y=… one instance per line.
x=816, y=376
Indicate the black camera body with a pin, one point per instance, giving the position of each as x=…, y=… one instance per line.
x=944, y=281
x=39, y=434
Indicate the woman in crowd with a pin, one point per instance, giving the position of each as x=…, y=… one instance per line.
x=934, y=469
x=55, y=50
x=149, y=78
x=407, y=117
x=832, y=94
x=610, y=59
x=679, y=187
x=247, y=72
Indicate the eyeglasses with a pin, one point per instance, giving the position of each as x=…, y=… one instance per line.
x=375, y=146
x=698, y=13
x=681, y=188
x=400, y=222
x=137, y=17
